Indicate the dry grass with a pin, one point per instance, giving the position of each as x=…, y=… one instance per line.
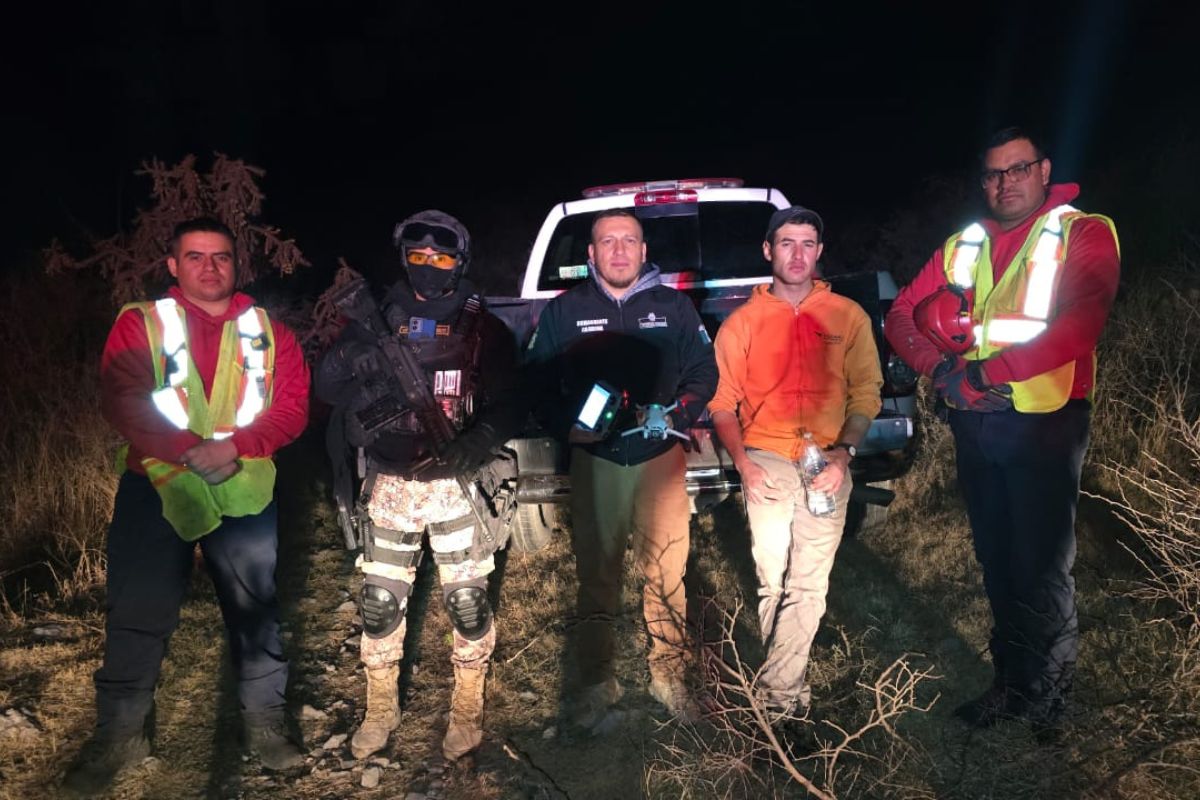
x=56, y=478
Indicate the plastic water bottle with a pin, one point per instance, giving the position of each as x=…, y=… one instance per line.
x=820, y=504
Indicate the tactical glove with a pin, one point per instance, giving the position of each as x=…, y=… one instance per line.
x=959, y=383
x=471, y=449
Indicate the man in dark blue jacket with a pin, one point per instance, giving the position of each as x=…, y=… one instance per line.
x=623, y=327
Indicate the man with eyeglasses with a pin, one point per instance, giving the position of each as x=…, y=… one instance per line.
x=1005, y=317
x=469, y=358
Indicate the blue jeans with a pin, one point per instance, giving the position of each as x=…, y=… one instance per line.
x=149, y=568
x=1019, y=474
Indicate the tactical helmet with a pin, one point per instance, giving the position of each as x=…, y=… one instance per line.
x=945, y=319
x=435, y=229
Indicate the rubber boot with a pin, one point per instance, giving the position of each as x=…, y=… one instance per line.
x=465, y=731
x=383, y=711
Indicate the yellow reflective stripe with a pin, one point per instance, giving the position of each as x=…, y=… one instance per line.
x=254, y=397
x=1013, y=331
x=1044, y=264
x=966, y=253
x=169, y=403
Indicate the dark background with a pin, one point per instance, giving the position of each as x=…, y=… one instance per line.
x=363, y=113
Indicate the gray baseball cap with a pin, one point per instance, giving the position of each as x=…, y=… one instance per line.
x=797, y=215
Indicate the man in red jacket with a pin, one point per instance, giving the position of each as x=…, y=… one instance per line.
x=205, y=387
x=1015, y=364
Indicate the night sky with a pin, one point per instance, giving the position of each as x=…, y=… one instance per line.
x=365, y=112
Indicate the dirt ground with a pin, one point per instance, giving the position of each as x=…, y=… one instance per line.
x=910, y=588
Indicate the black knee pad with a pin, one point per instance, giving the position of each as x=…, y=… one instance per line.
x=381, y=602
x=469, y=608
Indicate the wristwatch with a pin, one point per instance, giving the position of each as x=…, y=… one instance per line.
x=849, y=448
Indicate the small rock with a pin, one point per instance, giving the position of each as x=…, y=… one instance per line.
x=550, y=732
x=528, y=697
x=416, y=668
x=52, y=632
x=415, y=796
x=370, y=777
x=319, y=774
x=308, y=712
x=435, y=769
x=352, y=642
x=381, y=762
x=14, y=723
x=340, y=775
x=335, y=741
x=330, y=667
x=348, y=763
x=347, y=607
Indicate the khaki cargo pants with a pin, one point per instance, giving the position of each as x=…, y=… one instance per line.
x=793, y=556
x=610, y=503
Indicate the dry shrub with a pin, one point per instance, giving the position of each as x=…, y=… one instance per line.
x=1148, y=462
x=133, y=262
x=56, y=453
x=745, y=749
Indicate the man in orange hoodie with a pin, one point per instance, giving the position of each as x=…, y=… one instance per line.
x=795, y=359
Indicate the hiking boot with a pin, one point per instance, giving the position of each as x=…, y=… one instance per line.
x=592, y=704
x=271, y=739
x=383, y=711
x=101, y=760
x=672, y=692
x=1045, y=718
x=994, y=705
x=465, y=731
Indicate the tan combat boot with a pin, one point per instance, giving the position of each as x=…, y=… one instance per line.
x=383, y=711
x=465, y=731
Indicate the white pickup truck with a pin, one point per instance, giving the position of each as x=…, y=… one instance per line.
x=706, y=236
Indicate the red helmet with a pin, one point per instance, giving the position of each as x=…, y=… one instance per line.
x=945, y=319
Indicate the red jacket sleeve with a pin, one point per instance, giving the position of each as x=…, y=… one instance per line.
x=901, y=331
x=126, y=382
x=287, y=416
x=1090, y=274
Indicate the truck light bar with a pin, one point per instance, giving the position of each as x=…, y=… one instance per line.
x=664, y=196
x=681, y=184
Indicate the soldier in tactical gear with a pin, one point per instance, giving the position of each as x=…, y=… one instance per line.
x=469, y=359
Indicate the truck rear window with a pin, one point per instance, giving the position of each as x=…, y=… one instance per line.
x=712, y=240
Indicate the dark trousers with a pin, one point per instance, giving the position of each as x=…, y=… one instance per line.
x=1019, y=474
x=149, y=569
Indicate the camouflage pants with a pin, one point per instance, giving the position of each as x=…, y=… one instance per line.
x=404, y=505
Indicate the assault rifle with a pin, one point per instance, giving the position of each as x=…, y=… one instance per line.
x=408, y=389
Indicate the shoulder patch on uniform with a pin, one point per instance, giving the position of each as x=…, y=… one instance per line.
x=704, y=337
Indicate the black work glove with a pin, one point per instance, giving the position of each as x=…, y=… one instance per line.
x=959, y=383
x=471, y=449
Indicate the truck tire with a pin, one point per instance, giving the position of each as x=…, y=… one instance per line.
x=534, y=525
x=866, y=518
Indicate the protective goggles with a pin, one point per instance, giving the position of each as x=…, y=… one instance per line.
x=420, y=233
x=438, y=260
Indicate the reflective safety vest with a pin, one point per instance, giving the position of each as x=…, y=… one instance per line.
x=1019, y=307
x=241, y=391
